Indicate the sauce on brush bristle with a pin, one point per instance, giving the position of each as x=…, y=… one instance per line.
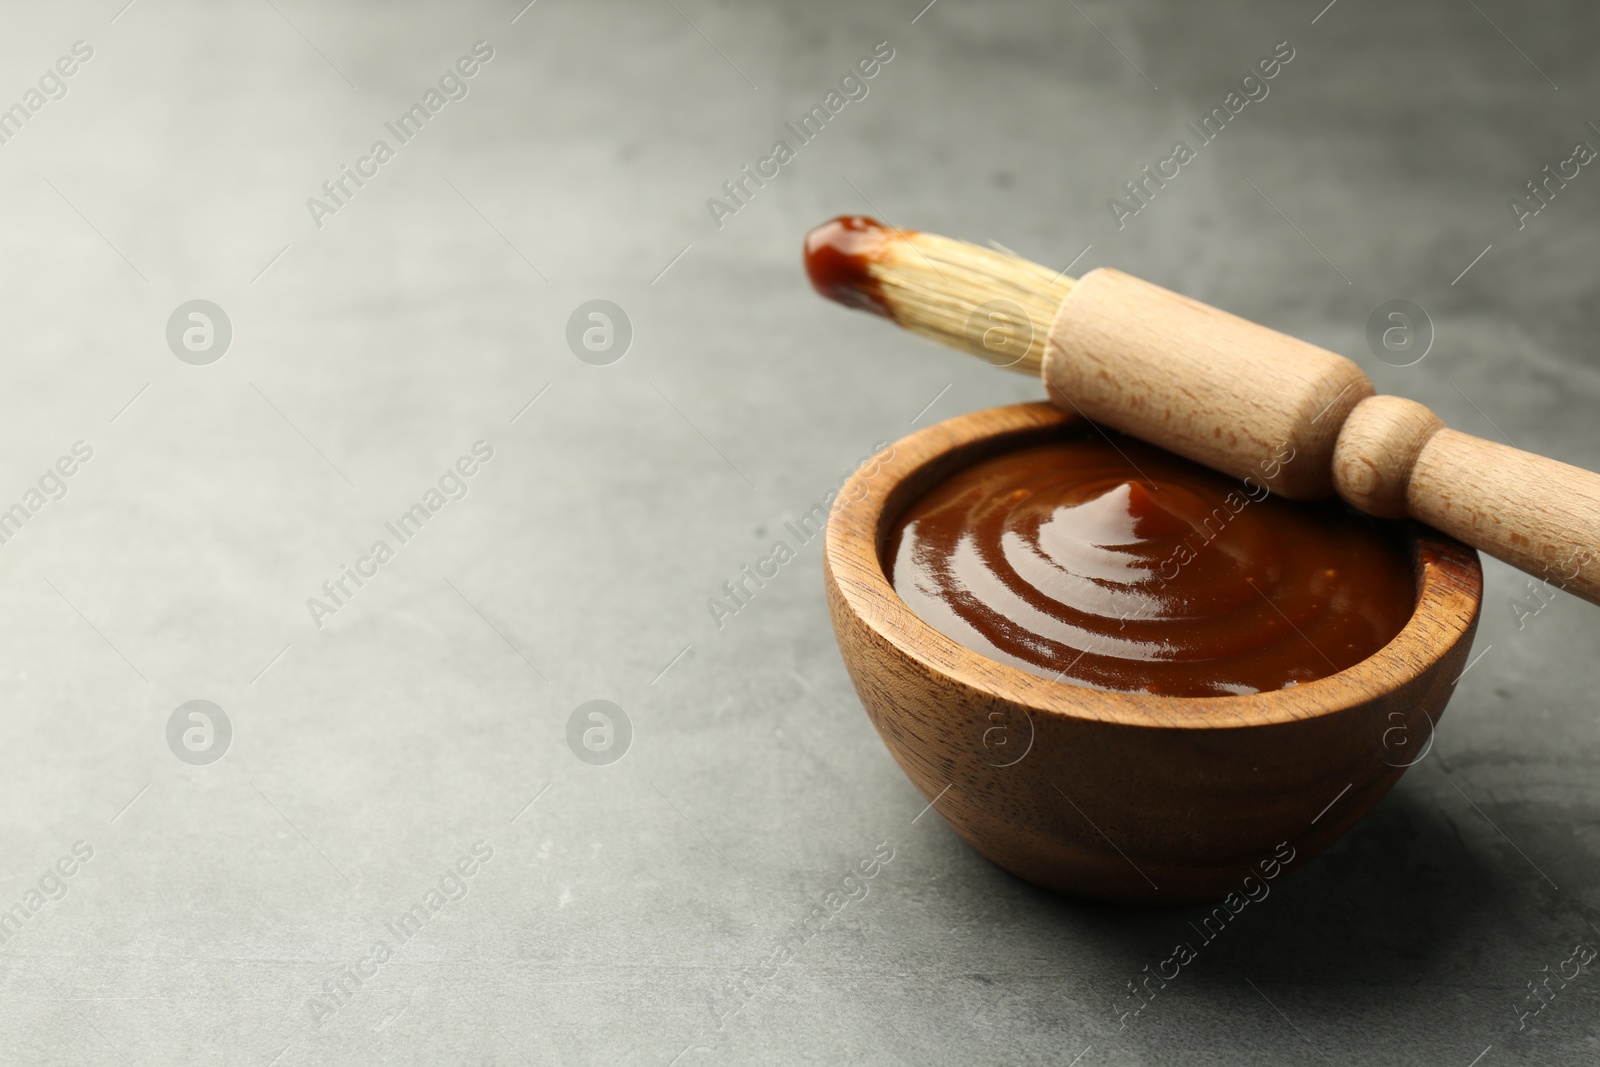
x=839, y=255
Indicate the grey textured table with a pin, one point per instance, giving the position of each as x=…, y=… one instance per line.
x=232, y=911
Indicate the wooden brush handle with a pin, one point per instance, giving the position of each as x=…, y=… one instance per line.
x=1224, y=391
x=1256, y=403
x=1394, y=458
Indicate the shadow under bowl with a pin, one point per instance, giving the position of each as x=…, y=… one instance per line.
x=1122, y=796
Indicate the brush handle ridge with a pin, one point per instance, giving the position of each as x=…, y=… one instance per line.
x=1395, y=458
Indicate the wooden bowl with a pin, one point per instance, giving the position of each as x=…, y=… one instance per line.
x=1128, y=797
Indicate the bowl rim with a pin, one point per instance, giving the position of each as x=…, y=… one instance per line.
x=1449, y=595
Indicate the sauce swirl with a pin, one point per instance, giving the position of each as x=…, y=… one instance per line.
x=1115, y=565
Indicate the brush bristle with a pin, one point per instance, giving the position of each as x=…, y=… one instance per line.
x=990, y=304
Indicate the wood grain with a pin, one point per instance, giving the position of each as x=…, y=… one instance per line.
x=1539, y=515
x=1198, y=381
x=1126, y=797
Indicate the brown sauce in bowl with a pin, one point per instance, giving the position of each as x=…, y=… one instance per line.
x=1112, y=564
